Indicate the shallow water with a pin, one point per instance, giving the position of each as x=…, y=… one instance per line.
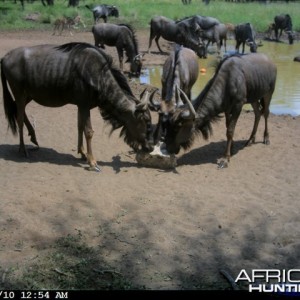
x=286, y=97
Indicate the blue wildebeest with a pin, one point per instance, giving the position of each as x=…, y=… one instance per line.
x=181, y=69
x=178, y=32
x=201, y=22
x=122, y=37
x=297, y=58
x=245, y=34
x=239, y=79
x=283, y=22
x=215, y=34
x=79, y=74
x=103, y=11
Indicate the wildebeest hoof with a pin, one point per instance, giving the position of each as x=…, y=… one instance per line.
x=222, y=164
x=94, y=168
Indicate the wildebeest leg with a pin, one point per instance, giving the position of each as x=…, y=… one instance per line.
x=80, y=126
x=276, y=33
x=150, y=40
x=20, y=120
x=31, y=131
x=85, y=125
x=237, y=46
x=120, y=54
x=231, y=120
x=156, y=41
x=257, y=114
x=266, y=111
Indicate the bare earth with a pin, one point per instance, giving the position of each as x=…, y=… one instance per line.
x=160, y=229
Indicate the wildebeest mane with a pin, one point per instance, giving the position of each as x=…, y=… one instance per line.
x=119, y=77
x=78, y=46
x=134, y=38
x=107, y=108
x=184, y=18
x=171, y=74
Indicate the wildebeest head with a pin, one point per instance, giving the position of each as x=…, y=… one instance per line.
x=176, y=124
x=252, y=45
x=201, y=50
x=140, y=132
x=114, y=12
x=290, y=37
x=180, y=126
x=136, y=65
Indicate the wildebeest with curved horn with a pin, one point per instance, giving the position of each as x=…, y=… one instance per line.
x=283, y=22
x=178, y=32
x=122, y=37
x=181, y=69
x=238, y=80
x=79, y=74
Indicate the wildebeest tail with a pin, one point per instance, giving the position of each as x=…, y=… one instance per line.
x=10, y=107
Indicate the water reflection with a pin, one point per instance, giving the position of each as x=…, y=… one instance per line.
x=286, y=98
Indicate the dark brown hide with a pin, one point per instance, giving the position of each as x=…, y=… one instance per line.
x=238, y=80
x=178, y=32
x=122, y=37
x=79, y=74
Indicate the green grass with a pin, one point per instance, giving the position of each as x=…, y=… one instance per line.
x=139, y=12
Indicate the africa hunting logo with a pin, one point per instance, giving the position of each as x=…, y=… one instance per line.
x=271, y=280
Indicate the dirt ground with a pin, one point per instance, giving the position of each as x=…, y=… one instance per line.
x=160, y=229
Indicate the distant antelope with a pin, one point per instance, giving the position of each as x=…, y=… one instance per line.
x=67, y=22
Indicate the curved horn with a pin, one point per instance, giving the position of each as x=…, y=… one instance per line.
x=155, y=105
x=142, y=93
x=144, y=101
x=189, y=103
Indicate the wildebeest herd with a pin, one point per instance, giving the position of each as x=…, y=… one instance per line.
x=83, y=74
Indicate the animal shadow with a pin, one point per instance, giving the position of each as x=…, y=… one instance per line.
x=209, y=153
x=37, y=155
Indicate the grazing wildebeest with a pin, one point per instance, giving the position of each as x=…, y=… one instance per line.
x=284, y=22
x=239, y=79
x=79, y=74
x=104, y=11
x=178, y=32
x=245, y=34
x=297, y=58
x=181, y=69
x=215, y=34
x=122, y=37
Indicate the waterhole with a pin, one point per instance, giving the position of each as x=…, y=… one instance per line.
x=286, y=97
